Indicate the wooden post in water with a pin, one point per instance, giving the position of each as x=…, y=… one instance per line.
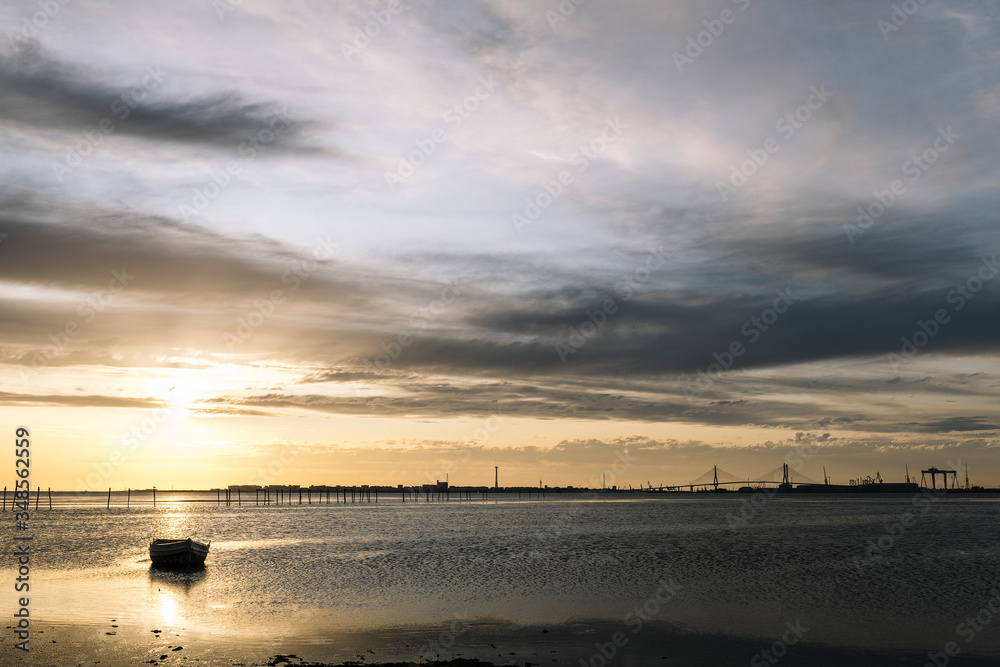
x=109, y=498
x=38, y=492
x=154, y=496
x=300, y=495
x=239, y=498
x=50, y=497
x=128, y=498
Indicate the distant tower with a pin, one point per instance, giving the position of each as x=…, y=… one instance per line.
x=496, y=477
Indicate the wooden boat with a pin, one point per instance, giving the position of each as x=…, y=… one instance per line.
x=184, y=553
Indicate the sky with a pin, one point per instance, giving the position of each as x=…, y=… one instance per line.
x=396, y=242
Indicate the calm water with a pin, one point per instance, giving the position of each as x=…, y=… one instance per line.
x=310, y=571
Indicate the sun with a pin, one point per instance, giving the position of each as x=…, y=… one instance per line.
x=182, y=395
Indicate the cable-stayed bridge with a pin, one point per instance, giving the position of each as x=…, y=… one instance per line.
x=716, y=477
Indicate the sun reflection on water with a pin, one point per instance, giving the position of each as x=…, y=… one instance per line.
x=172, y=525
x=168, y=608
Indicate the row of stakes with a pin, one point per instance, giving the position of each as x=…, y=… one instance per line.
x=357, y=495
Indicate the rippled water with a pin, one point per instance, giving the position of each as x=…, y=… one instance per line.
x=311, y=569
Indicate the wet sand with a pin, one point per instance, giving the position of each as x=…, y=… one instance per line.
x=480, y=644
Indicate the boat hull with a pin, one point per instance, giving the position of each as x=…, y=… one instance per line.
x=178, y=553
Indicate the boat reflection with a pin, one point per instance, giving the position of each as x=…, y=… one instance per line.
x=175, y=578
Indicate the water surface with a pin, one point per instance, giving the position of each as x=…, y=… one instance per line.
x=312, y=571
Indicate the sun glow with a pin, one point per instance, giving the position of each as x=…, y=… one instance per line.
x=183, y=395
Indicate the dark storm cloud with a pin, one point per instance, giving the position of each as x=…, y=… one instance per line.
x=501, y=322
x=42, y=91
x=952, y=424
x=539, y=401
x=914, y=248
x=79, y=246
x=676, y=333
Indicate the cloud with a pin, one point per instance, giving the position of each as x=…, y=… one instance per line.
x=953, y=424
x=45, y=92
x=77, y=401
x=373, y=330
